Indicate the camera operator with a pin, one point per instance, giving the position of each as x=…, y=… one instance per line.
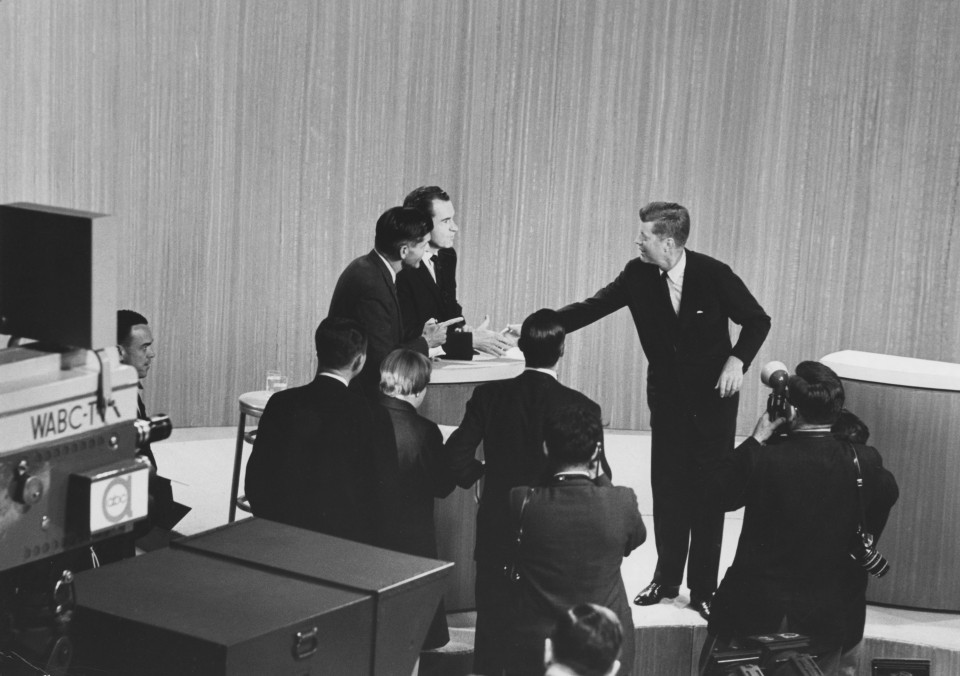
x=802, y=511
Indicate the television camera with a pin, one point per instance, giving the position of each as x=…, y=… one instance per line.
x=70, y=477
x=782, y=654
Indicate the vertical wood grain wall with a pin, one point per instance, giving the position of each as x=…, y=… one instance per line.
x=247, y=148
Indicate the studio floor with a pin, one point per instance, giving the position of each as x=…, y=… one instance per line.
x=199, y=461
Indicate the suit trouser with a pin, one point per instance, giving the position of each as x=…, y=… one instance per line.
x=493, y=597
x=684, y=448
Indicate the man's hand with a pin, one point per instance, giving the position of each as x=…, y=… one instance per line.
x=766, y=427
x=731, y=378
x=436, y=334
x=490, y=342
x=511, y=333
x=484, y=324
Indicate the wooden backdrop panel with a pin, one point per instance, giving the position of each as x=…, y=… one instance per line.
x=247, y=148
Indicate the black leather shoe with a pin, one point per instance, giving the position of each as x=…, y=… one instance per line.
x=654, y=593
x=701, y=605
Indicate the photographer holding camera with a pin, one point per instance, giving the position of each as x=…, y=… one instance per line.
x=801, y=530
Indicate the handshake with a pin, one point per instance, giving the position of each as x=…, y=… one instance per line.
x=484, y=340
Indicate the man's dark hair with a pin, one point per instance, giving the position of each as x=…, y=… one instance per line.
x=541, y=338
x=848, y=426
x=817, y=393
x=572, y=434
x=422, y=198
x=587, y=639
x=669, y=220
x=126, y=320
x=339, y=342
x=399, y=226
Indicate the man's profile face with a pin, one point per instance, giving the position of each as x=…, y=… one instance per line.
x=413, y=254
x=138, y=352
x=444, y=227
x=653, y=248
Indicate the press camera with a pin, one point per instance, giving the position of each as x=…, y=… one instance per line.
x=775, y=375
x=69, y=472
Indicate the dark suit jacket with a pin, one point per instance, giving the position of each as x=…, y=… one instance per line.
x=799, y=523
x=410, y=478
x=686, y=353
x=164, y=512
x=422, y=299
x=366, y=293
x=507, y=416
x=314, y=458
x=575, y=535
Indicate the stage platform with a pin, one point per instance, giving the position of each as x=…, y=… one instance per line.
x=199, y=462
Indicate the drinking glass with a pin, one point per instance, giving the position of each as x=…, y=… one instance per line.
x=276, y=381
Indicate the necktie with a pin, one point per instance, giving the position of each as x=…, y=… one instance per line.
x=665, y=282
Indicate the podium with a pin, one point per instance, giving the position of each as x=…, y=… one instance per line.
x=912, y=407
x=455, y=516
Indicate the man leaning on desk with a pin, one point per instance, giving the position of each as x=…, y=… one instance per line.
x=430, y=291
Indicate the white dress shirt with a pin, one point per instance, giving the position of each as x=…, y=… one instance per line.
x=675, y=281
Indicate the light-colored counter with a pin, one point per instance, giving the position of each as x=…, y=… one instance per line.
x=451, y=386
x=912, y=407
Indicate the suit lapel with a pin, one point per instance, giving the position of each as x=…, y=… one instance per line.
x=692, y=282
x=427, y=281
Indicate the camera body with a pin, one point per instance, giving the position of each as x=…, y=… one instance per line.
x=775, y=375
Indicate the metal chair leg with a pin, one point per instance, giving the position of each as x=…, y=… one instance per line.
x=237, y=459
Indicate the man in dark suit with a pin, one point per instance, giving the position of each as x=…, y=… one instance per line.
x=802, y=508
x=135, y=345
x=366, y=291
x=682, y=303
x=508, y=417
x=314, y=459
x=572, y=535
x=430, y=290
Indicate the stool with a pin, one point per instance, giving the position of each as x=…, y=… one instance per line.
x=251, y=404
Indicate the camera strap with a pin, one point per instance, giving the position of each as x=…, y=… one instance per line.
x=523, y=507
x=512, y=569
x=856, y=466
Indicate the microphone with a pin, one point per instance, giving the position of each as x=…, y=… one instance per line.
x=775, y=375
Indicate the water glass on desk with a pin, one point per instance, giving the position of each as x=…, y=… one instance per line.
x=276, y=381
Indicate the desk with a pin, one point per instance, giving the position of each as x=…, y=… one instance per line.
x=912, y=407
x=451, y=386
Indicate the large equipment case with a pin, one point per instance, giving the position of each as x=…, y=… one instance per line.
x=258, y=597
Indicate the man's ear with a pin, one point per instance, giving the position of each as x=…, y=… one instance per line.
x=122, y=352
x=359, y=361
x=596, y=452
x=563, y=346
x=404, y=249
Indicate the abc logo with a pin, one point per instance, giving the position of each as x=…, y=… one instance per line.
x=116, y=500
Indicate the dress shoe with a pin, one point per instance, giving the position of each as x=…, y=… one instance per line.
x=701, y=604
x=654, y=593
